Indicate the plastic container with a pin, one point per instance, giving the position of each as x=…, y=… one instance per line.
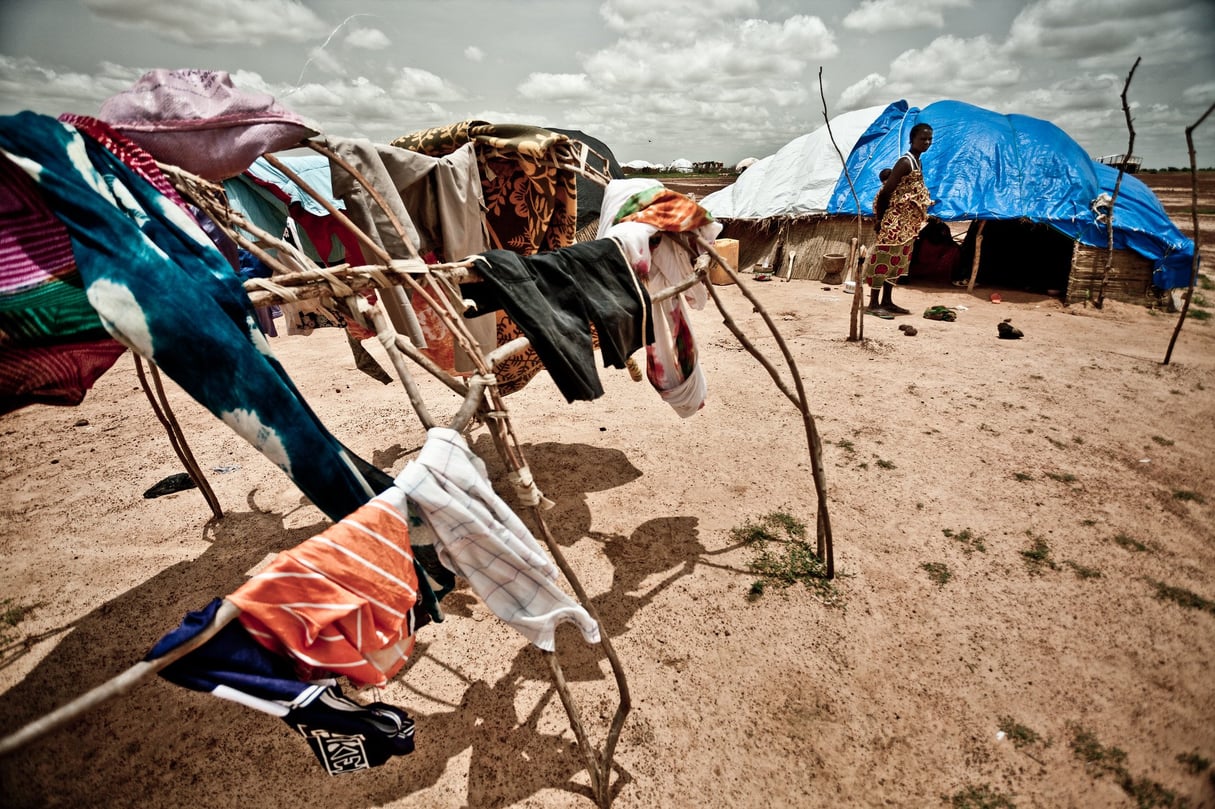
x=728, y=250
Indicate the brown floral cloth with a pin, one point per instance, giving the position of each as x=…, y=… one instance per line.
x=905, y=217
x=531, y=203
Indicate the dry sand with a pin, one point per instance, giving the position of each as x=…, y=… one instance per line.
x=1075, y=440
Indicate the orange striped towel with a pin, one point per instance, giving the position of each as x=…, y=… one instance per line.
x=341, y=600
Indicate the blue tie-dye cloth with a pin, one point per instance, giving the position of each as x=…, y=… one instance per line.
x=162, y=288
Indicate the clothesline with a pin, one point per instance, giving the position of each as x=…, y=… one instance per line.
x=437, y=286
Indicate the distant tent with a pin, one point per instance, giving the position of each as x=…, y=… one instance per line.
x=1029, y=174
x=640, y=165
x=590, y=194
x=776, y=209
x=681, y=164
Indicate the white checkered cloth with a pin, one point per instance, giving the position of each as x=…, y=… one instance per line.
x=479, y=537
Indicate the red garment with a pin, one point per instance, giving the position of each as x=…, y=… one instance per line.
x=340, y=601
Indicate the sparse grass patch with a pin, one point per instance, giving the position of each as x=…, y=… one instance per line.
x=1098, y=759
x=970, y=542
x=11, y=615
x=980, y=797
x=1198, y=314
x=884, y=464
x=1018, y=734
x=1130, y=543
x=783, y=557
x=1088, y=523
x=846, y=446
x=1193, y=762
x=1183, y=597
x=1188, y=496
x=1162, y=441
x=1083, y=572
x=1077, y=439
x=1022, y=477
x=938, y=572
x=1037, y=556
x=1056, y=443
x=1062, y=477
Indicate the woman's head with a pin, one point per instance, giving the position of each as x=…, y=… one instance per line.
x=921, y=138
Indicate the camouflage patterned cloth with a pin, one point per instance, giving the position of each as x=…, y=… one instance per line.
x=531, y=203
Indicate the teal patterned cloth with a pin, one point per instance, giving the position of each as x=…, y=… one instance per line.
x=161, y=288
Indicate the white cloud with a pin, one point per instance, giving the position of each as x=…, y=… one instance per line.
x=756, y=54
x=209, y=22
x=474, y=54
x=867, y=92
x=323, y=59
x=663, y=17
x=900, y=15
x=1203, y=94
x=27, y=85
x=371, y=39
x=417, y=84
x=556, y=87
x=1110, y=33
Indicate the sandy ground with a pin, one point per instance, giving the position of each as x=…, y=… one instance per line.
x=951, y=449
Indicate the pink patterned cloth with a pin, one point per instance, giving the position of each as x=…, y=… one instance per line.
x=200, y=121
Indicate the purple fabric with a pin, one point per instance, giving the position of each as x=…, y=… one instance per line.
x=200, y=121
x=34, y=246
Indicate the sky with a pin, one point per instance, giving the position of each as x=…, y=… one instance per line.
x=655, y=80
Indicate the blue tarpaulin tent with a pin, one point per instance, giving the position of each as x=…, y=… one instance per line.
x=987, y=165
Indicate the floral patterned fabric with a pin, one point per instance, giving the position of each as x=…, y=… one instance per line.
x=531, y=204
x=905, y=217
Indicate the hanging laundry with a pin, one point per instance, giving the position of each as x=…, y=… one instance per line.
x=438, y=204
x=343, y=735
x=554, y=297
x=199, y=120
x=143, y=261
x=343, y=601
x=633, y=212
x=531, y=205
x=478, y=536
x=53, y=347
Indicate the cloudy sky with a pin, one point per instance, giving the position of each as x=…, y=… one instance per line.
x=654, y=79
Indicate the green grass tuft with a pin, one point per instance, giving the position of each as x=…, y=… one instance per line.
x=938, y=572
x=1037, y=556
x=783, y=557
x=1183, y=597
x=1130, y=543
x=979, y=797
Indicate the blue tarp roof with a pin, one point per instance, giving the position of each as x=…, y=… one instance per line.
x=987, y=165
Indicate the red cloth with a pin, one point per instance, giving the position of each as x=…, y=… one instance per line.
x=340, y=602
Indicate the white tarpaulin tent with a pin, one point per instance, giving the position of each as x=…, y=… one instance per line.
x=798, y=179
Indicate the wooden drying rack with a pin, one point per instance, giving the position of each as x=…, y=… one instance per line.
x=295, y=277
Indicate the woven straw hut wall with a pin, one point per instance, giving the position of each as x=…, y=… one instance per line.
x=806, y=239
x=1129, y=281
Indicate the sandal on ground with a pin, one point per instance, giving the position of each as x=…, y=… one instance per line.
x=941, y=313
x=882, y=313
x=895, y=310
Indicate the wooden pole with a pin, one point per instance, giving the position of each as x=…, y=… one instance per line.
x=974, y=264
x=1109, y=225
x=1185, y=306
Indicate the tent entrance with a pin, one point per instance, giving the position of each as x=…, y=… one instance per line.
x=1018, y=254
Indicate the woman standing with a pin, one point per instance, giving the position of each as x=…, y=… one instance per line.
x=900, y=211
